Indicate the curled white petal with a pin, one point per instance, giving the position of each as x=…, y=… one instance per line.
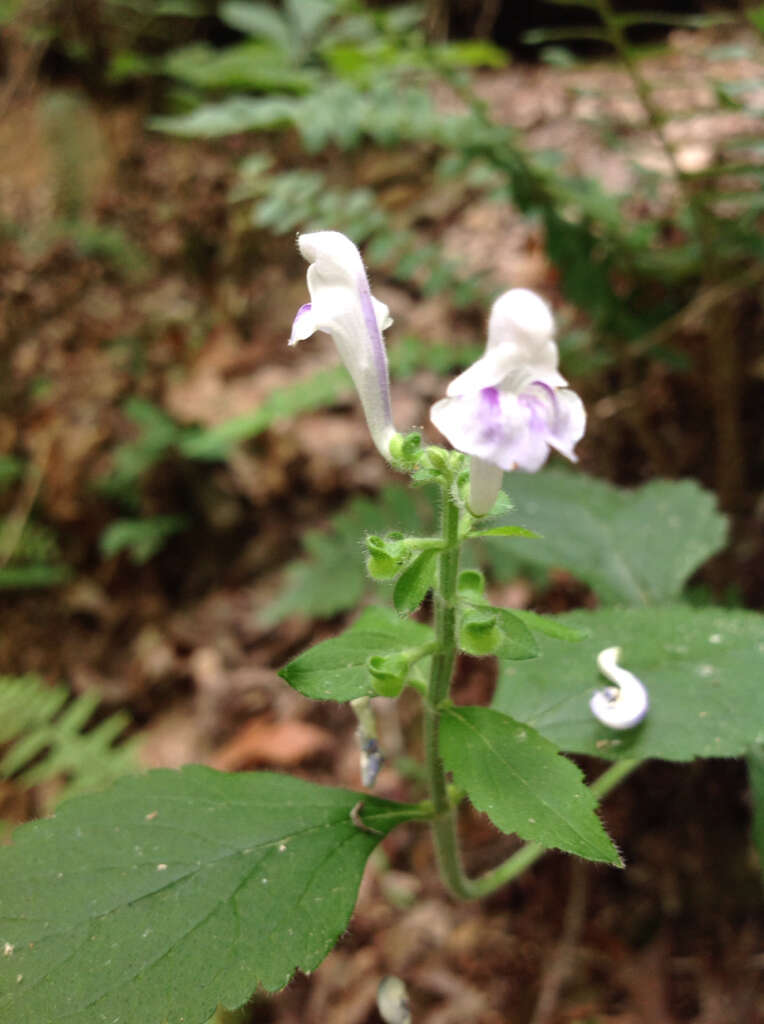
x=624, y=705
x=342, y=306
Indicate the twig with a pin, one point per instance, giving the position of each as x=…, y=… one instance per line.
x=563, y=957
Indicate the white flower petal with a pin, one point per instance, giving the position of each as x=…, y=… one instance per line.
x=331, y=253
x=485, y=484
x=521, y=323
x=520, y=316
x=304, y=324
x=342, y=305
x=486, y=424
x=382, y=313
x=624, y=705
x=486, y=372
x=570, y=423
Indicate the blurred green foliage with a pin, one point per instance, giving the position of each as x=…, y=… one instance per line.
x=639, y=263
x=608, y=541
x=678, y=249
x=30, y=556
x=47, y=735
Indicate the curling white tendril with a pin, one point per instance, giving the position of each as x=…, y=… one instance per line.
x=621, y=706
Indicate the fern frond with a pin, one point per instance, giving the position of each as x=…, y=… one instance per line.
x=48, y=737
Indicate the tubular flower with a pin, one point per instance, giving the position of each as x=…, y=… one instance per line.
x=512, y=405
x=342, y=305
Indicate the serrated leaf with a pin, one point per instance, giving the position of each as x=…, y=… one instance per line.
x=522, y=783
x=631, y=546
x=414, y=582
x=336, y=669
x=175, y=891
x=702, y=668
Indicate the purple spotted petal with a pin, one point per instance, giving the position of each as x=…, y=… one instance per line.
x=512, y=431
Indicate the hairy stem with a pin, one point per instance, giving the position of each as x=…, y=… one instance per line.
x=444, y=814
x=445, y=802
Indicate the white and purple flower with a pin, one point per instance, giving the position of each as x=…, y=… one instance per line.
x=512, y=405
x=343, y=306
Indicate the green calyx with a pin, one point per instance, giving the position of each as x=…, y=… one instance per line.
x=479, y=634
x=471, y=585
x=404, y=451
x=389, y=556
x=391, y=672
x=388, y=672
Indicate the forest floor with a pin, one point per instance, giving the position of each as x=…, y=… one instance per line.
x=183, y=304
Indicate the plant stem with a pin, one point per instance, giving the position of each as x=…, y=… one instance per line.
x=444, y=818
x=444, y=809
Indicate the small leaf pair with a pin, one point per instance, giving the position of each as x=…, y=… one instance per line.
x=338, y=669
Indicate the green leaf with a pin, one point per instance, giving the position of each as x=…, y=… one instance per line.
x=45, y=740
x=756, y=17
x=257, y=19
x=519, y=642
x=505, y=531
x=229, y=116
x=702, y=668
x=522, y=783
x=336, y=669
x=245, y=65
x=631, y=547
x=331, y=578
x=414, y=582
x=23, y=577
x=11, y=469
x=141, y=538
x=175, y=891
x=548, y=625
x=468, y=53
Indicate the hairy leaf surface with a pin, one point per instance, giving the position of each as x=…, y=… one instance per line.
x=336, y=669
x=174, y=891
x=703, y=669
x=632, y=547
x=522, y=783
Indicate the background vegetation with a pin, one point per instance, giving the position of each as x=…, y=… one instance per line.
x=182, y=500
